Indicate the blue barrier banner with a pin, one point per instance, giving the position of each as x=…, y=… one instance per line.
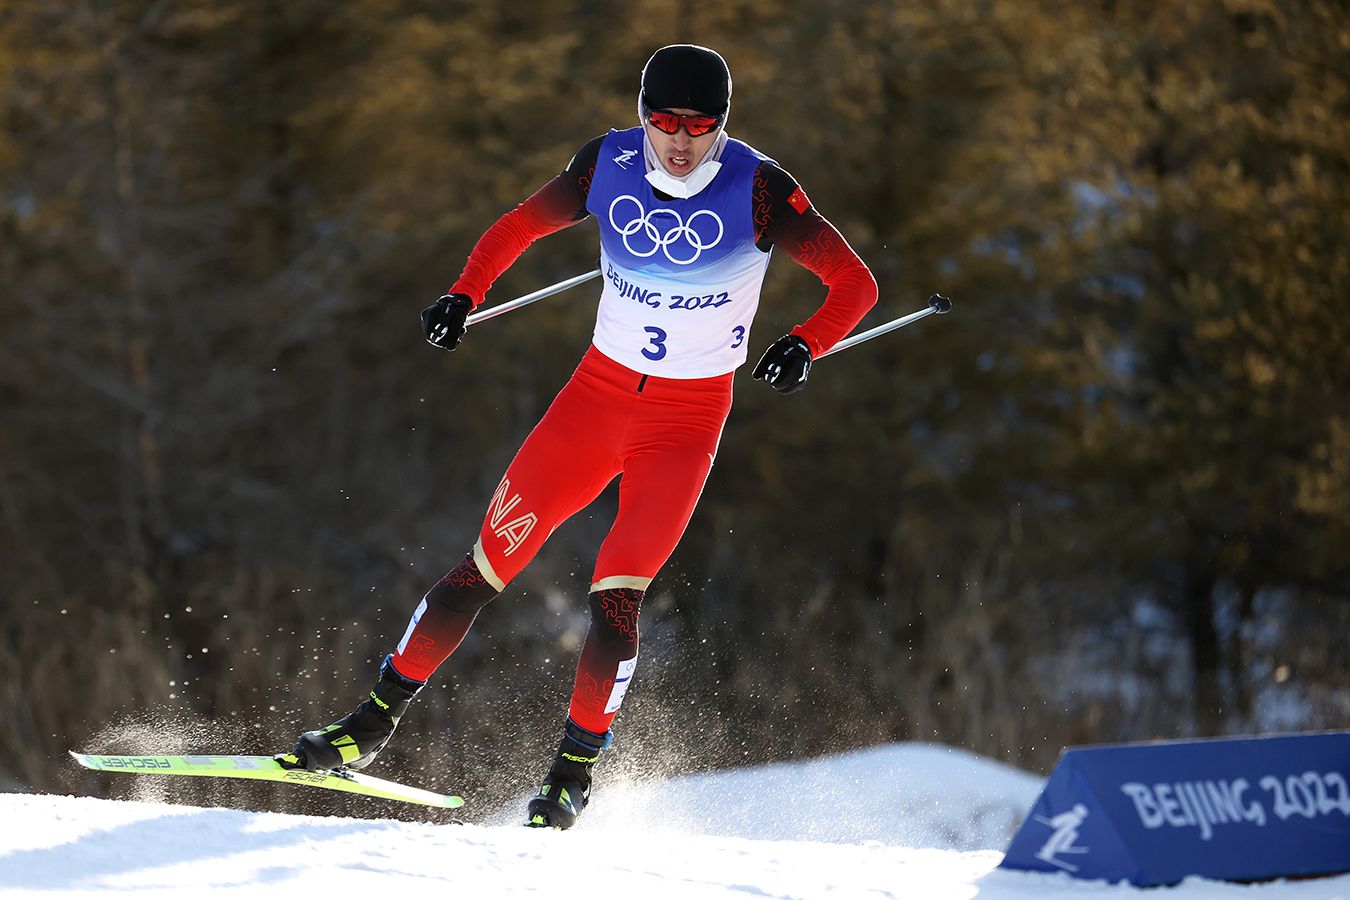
x=1236, y=809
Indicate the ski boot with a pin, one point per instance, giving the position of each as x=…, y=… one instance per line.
x=567, y=788
x=355, y=740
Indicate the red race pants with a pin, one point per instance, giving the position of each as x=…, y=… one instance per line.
x=660, y=433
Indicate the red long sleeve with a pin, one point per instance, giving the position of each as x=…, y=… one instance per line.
x=784, y=216
x=852, y=289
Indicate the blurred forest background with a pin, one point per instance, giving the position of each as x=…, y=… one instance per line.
x=1106, y=499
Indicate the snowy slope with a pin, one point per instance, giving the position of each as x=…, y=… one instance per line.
x=912, y=821
x=913, y=795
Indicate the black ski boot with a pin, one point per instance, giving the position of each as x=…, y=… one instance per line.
x=355, y=740
x=567, y=788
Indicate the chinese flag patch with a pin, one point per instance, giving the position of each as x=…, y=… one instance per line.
x=798, y=201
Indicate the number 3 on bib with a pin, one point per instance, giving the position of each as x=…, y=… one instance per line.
x=657, y=350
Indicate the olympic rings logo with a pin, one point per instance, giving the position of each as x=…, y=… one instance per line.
x=677, y=230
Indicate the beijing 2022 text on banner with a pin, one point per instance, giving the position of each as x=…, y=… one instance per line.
x=1235, y=809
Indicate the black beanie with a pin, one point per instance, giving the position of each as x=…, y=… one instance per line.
x=686, y=76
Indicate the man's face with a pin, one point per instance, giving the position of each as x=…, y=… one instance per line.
x=679, y=152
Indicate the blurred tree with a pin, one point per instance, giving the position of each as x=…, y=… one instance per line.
x=1230, y=332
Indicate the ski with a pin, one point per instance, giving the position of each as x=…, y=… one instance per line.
x=265, y=768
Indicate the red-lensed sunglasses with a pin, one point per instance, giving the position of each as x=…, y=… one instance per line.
x=670, y=123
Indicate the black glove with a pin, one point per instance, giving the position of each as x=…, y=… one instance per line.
x=785, y=364
x=443, y=321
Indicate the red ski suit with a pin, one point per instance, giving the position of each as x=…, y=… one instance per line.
x=660, y=434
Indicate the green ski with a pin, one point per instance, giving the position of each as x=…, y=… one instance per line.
x=265, y=768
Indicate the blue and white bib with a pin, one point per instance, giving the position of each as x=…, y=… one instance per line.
x=682, y=277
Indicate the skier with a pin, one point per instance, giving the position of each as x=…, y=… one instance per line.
x=687, y=216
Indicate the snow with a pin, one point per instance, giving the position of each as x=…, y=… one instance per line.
x=902, y=821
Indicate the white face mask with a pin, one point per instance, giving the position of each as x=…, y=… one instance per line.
x=683, y=186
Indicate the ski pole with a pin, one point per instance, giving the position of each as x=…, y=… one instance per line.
x=936, y=304
x=540, y=294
